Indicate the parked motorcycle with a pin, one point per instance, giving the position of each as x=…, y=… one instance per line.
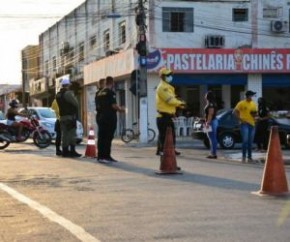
x=41, y=137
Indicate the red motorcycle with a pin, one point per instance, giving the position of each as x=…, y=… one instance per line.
x=41, y=137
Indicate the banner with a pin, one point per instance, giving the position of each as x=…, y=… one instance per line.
x=221, y=60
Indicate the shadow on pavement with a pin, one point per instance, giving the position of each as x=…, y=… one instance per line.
x=188, y=177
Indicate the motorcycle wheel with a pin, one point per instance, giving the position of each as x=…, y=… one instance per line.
x=4, y=144
x=4, y=140
x=25, y=134
x=42, y=139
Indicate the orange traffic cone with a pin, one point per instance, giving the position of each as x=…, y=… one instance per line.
x=168, y=159
x=91, y=145
x=274, y=180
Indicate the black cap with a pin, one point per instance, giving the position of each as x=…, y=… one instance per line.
x=249, y=93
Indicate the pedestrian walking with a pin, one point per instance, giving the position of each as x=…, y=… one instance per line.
x=166, y=104
x=68, y=111
x=246, y=111
x=57, y=128
x=107, y=121
x=211, y=123
x=262, y=125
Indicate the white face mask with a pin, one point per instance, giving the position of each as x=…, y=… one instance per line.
x=169, y=79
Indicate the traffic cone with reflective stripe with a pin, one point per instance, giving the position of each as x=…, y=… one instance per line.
x=274, y=180
x=91, y=145
x=168, y=159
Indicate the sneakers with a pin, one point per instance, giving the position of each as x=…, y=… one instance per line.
x=112, y=159
x=160, y=153
x=58, y=153
x=177, y=153
x=75, y=154
x=251, y=161
x=103, y=161
x=212, y=157
x=106, y=160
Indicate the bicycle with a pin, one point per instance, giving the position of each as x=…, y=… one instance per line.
x=129, y=134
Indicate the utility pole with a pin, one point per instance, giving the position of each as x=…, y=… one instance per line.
x=141, y=48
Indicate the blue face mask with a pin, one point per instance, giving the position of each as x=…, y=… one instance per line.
x=169, y=79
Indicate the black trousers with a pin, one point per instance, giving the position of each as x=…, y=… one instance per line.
x=57, y=130
x=261, y=135
x=107, y=128
x=162, y=124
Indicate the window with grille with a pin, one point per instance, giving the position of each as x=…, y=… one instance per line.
x=46, y=67
x=177, y=19
x=240, y=14
x=122, y=32
x=106, y=40
x=81, y=51
x=93, y=42
x=272, y=12
x=54, y=63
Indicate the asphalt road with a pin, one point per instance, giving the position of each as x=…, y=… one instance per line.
x=47, y=198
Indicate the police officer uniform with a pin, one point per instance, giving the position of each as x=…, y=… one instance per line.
x=107, y=122
x=166, y=104
x=101, y=87
x=68, y=111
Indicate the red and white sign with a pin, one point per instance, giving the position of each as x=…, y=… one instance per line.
x=227, y=60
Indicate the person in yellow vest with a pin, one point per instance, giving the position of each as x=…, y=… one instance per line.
x=166, y=104
x=57, y=128
x=246, y=111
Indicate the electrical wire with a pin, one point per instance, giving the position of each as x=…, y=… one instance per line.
x=209, y=23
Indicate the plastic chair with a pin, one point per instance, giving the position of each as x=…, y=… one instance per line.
x=180, y=126
x=189, y=125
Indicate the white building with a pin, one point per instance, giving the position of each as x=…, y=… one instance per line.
x=225, y=46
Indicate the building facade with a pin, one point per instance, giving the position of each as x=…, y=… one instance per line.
x=227, y=46
x=30, y=73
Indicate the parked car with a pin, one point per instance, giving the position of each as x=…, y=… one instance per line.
x=47, y=120
x=228, y=131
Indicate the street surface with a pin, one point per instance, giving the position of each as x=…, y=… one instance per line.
x=48, y=198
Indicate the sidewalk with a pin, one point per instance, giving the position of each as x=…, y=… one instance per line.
x=185, y=143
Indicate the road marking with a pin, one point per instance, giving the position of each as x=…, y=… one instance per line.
x=74, y=229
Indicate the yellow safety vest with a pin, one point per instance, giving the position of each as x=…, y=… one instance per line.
x=166, y=101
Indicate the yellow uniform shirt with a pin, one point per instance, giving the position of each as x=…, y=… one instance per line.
x=246, y=108
x=54, y=106
x=166, y=101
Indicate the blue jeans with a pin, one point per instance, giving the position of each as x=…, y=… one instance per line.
x=212, y=136
x=247, y=133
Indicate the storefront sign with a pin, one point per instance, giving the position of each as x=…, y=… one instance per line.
x=222, y=60
x=117, y=65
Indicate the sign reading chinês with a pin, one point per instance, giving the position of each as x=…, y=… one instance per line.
x=226, y=60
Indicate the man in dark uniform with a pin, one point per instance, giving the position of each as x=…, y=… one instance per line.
x=107, y=105
x=102, y=84
x=68, y=111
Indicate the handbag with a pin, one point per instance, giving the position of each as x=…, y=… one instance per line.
x=207, y=129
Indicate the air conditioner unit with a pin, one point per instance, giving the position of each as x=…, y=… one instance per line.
x=214, y=41
x=278, y=26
